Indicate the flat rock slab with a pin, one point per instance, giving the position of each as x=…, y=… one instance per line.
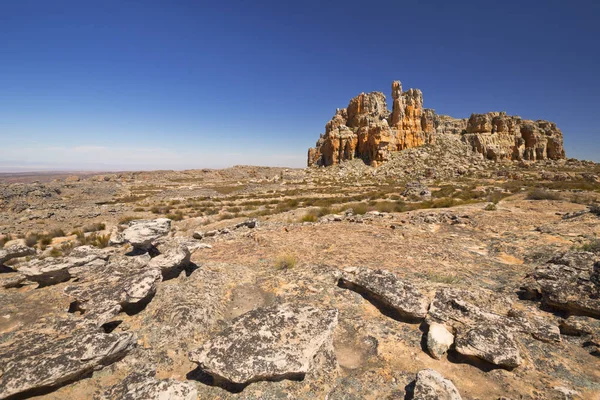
x=50, y=271
x=33, y=360
x=172, y=255
x=431, y=385
x=269, y=343
x=143, y=234
x=139, y=386
x=568, y=282
x=490, y=343
x=385, y=288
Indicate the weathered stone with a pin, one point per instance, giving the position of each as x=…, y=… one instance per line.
x=385, y=288
x=172, y=255
x=141, y=386
x=50, y=271
x=268, y=343
x=143, y=234
x=251, y=223
x=431, y=385
x=569, y=282
x=491, y=343
x=439, y=340
x=36, y=360
x=15, y=251
x=198, y=235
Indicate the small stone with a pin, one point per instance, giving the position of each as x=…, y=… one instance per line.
x=439, y=340
x=431, y=385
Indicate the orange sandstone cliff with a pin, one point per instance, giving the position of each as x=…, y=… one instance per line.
x=366, y=129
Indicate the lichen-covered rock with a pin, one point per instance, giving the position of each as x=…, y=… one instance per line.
x=42, y=358
x=385, y=287
x=123, y=283
x=569, y=282
x=417, y=190
x=143, y=234
x=439, y=340
x=491, y=343
x=431, y=385
x=141, y=386
x=268, y=343
x=50, y=271
x=15, y=251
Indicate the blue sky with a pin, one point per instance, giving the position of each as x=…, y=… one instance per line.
x=192, y=84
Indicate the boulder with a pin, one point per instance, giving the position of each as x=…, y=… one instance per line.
x=269, y=343
x=173, y=255
x=141, y=386
x=439, y=340
x=431, y=385
x=15, y=251
x=143, y=234
x=35, y=359
x=386, y=289
x=491, y=343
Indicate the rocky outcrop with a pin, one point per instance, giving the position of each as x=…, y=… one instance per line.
x=268, y=343
x=385, y=289
x=143, y=234
x=366, y=129
x=141, y=386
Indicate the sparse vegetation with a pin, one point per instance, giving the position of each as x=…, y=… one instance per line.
x=176, y=216
x=127, y=219
x=593, y=246
x=542, y=194
x=97, y=226
x=491, y=207
x=443, y=278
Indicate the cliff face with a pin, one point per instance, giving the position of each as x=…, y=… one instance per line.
x=366, y=129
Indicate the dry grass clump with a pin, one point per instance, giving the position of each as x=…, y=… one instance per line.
x=443, y=278
x=5, y=239
x=309, y=218
x=127, y=219
x=542, y=194
x=491, y=207
x=176, y=216
x=286, y=261
x=43, y=239
x=593, y=246
x=96, y=226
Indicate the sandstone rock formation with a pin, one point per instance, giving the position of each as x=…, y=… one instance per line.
x=366, y=129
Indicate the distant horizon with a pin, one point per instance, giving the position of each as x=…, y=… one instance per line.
x=129, y=87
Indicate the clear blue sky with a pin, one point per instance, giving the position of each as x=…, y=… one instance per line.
x=191, y=84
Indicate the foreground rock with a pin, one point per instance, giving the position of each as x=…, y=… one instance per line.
x=431, y=385
x=143, y=234
x=366, y=129
x=568, y=282
x=15, y=251
x=140, y=386
x=385, y=288
x=38, y=360
x=268, y=343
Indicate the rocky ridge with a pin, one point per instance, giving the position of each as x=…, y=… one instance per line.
x=367, y=130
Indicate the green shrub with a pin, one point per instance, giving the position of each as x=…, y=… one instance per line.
x=542, y=194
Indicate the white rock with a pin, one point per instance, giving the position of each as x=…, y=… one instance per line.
x=439, y=340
